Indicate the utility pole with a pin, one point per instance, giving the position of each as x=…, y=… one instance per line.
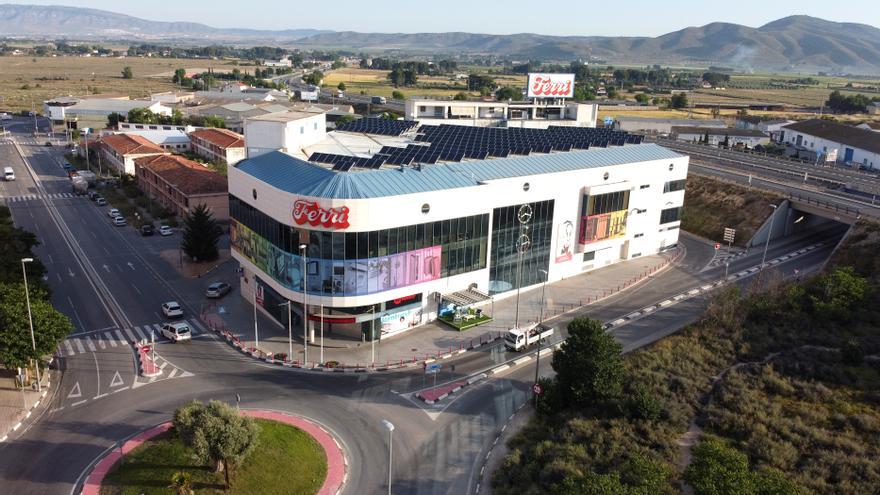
x=302, y=250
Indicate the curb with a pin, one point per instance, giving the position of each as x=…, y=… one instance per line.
x=337, y=462
x=143, y=360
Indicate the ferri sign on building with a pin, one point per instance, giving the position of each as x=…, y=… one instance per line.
x=543, y=85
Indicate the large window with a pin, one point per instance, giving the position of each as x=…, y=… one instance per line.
x=674, y=185
x=603, y=216
x=504, y=271
x=355, y=263
x=670, y=215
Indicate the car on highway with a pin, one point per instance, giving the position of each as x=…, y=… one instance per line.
x=217, y=289
x=119, y=221
x=176, y=332
x=165, y=230
x=100, y=201
x=112, y=213
x=146, y=230
x=172, y=310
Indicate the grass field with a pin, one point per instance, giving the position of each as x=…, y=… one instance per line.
x=375, y=83
x=286, y=461
x=50, y=77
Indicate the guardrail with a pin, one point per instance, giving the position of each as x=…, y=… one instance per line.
x=824, y=204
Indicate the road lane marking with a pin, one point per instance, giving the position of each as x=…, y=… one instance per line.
x=173, y=373
x=117, y=380
x=101, y=343
x=140, y=334
x=79, y=346
x=130, y=335
x=198, y=325
x=69, y=348
x=79, y=403
x=158, y=329
x=75, y=392
x=136, y=289
x=90, y=344
x=119, y=335
x=110, y=339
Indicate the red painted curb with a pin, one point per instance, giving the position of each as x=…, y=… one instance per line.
x=336, y=465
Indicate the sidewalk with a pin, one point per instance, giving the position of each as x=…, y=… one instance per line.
x=16, y=406
x=433, y=339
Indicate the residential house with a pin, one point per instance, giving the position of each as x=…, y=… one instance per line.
x=289, y=132
x=180, y=185
x=219, y=145
x=818, y=138
x=121, y=150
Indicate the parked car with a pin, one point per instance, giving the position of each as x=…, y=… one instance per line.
x=176, y=332
x=93, y=195
x=172, y=310
x=100, y=201
x=8, y=174
x=119, y=221
x=68, y=167
x=165, y=230
x=217, y=289
x=113, y=212
x=146, y=230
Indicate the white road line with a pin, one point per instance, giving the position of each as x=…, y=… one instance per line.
x=158, y=329
x=198, y=325
x=78, y=403
x=90, y=344
x=140, y=334
x=101, y=343
x=79, y=346
x=69, y=348
x=120, y=336
x=110, y=339
x=130, y=335
x=173, y=372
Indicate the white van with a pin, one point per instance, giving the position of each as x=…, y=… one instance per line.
x=8, y=174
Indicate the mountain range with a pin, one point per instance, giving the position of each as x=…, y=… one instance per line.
x=796, y=44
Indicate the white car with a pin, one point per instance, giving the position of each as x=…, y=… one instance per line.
x=119, y=221
x=172, y=310
x=165, y=230
x=5, y=116
x=113, y=213
x=176, y=332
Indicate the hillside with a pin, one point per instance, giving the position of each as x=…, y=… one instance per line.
x=796, y=43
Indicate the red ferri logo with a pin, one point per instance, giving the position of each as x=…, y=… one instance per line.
x=544, y=86
x=308, y=212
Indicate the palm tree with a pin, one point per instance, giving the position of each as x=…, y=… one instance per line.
x=181, y=482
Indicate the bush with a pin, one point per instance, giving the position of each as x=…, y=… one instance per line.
x=641, y=404
x=717, y=469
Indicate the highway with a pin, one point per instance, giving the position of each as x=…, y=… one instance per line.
x=110, y=282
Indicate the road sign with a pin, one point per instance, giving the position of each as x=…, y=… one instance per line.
x=717, y=246
x=729, y=234
x=536, y=388
x=432, y=368
x=145, y=349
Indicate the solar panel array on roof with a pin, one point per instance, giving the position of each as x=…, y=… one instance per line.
x=382, y=127
x=344, y=163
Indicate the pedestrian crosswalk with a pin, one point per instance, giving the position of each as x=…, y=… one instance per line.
x=34, y=197
x=110, y=338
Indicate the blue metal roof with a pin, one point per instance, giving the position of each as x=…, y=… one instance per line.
x=302, y=178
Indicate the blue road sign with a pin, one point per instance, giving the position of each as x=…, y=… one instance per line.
x=432, y=368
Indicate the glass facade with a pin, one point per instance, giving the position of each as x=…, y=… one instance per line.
x=670, y=215
x=357, y=263
x=506, y=232
x=603, y=216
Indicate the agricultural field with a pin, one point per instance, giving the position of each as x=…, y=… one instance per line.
x=25, y=81
x=375, y=82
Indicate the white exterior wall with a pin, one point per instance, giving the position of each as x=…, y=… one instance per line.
x=717, y=139
x=263, y=136
x=566, y=188
x=823, y=146
x=494, y=113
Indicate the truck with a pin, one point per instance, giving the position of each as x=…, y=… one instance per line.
x=79, y=184
x=521, y=338
x=378, y=100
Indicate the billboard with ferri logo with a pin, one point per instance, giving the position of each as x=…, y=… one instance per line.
x=543, y=85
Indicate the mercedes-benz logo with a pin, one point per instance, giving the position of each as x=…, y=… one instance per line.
x=525, y=214
x=524, y=243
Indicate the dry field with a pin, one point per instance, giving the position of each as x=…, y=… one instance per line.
x=375, y=82
x=26, y=80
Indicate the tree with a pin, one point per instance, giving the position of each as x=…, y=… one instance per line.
x=114, y=119
x=717, y=469
x=508, y=93
x=341, y=86
x=201, y=234
x=678, y=100
x=179, y=76
x=461, y=96
x=17, y=244
x=397, y=95
x=127, y=73
x=217, y=434
x=142, y=116
x=314, y=78
x=50, y=326
x=642, y=98
x=214, y=121
x=589, y=367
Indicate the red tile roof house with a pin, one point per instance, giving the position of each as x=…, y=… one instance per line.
x=180, y=185
x=121, y=150
x=219, y=145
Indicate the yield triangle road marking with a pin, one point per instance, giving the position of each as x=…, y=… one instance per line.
x=116, y=381
x=75, y=392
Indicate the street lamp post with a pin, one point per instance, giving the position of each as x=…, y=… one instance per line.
x=769, y=234
x=289, y=333
x=302, y=251
x=373, y=335
x=540, y=321
x=256, y=332
x=390, y=427
x=27, y=298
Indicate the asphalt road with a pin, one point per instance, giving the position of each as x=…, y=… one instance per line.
x=111, y=282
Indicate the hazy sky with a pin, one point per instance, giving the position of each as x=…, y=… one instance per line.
x=572, y=17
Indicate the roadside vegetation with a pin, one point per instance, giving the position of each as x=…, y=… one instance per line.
x=773, y=391
x=710, y=205
x=212, y=449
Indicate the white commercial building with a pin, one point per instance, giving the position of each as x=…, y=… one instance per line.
x=96, y=110
x=819, y=139
x=388, y=225
x=660, y=125
x=538, y=114
x=718, y=136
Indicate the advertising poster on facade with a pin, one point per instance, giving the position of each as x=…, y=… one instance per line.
x=564, y=239
x=605, y=226
x=400, y=321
